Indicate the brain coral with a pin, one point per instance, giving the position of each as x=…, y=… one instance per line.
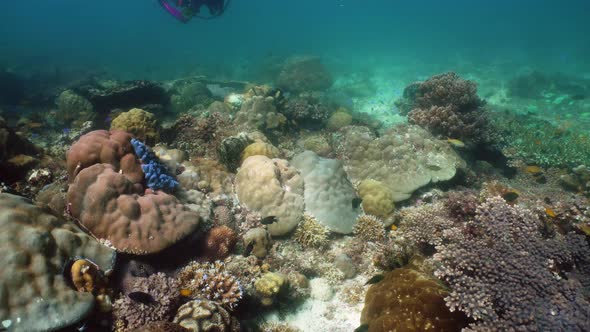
x=328, y=193
x=143, y=125
x=406, y=300
x=273, y=188
x=101, y=146
x=112, y=209
x=35, y=246
x=404, y=159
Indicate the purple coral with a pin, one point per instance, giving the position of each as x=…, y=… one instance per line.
x=159, y=303
x=505, y=275
x=447, y=106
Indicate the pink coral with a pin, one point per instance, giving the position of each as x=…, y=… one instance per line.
x=113, y=209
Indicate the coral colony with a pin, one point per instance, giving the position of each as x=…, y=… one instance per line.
x=271, y=209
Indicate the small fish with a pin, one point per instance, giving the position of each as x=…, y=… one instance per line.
x=362, y=328
x=141, y=297
x=550, y=213
x=248, y=249
x=356, y=202
x=533, y=170
x=375, y=279
x=456, y=143
x=393, y=227
x=185, y=292
x=511, y=195
x=268, y=220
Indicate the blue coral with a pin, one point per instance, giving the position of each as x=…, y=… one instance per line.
x=156, y=174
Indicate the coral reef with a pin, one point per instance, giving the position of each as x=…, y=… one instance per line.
x=311, y=233
x=199, y=136
x=206, y=316
x=36, y=247
x=259, y=113
x=377, y=199
x=14, y=147
x=141, y=124
x=340, y=118
x=211, y=281
x=306, y=111
x=317, y=143
x=274, y=189
x=578, y=180
x=407, y=300
x=369, y=228
x=162, y=326
x=158, y=304
x=328, y=193
x=208, y=176
x=157, y=176
x=73, y=109
x=404, y=159
x=189, y=94
x=101, y=146
x=219, y=242
x=260, y=149
x=270, y=286
x=108, y=95
x=506, y=275
x=258, y=240
x=133, y=223
x=305, y=73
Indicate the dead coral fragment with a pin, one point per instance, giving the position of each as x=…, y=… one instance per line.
x=369, y=228
x=311, y=233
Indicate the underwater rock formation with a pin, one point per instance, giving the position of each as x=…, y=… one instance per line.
x=189, y=94
x=73, y=108
x=273, y=188
x=14, y=148
x=404, y=159
x=106, y=96
x=328, y=193
x=36, y=247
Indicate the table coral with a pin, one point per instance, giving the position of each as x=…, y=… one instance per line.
x=404, y=159
x=112, y=209
x=143, y=125
x=328, y=193
x=271, y=187
x=206, y=316
x=35, y=248
x=407, y=300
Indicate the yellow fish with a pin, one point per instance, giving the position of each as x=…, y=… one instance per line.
x=185, y=292
x=456, y=143
x=550, y=213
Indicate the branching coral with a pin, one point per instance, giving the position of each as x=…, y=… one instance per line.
x=505, y=275
x=311, y=233
x=369, y=228
x=447, y=106
x=211, y=281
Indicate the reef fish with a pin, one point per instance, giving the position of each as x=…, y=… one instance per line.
x=142, y=297
x=550, y=213
x=268, y=220
x=375, y=279
x=511, y=195
x=456, y=143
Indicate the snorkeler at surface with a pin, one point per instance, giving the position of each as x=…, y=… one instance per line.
x=184, y=10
